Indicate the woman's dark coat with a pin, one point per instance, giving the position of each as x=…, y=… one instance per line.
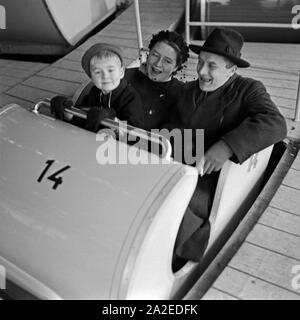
x=158, y=98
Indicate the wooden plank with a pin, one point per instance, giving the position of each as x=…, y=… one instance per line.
x=152, y=2
x=292, y=179
x=274, y=82
x=6, y=99
x=3, y=88
x=129, y=32
x=160, y=4
x=287, y=199
x=281, y=220
x=53, y=85
x=163, y=17
x=293, y=129
x=75, y=55
x=9, y=80
x=146, y=28
x=110, y=32
x=26, y=65
x=156, y=25
x=62, y=74
x=296, y=163
x=215, y=294
x=276, y=63
x=266, y=265
x=263, y=59
x=16, y=72
x=124, y=43
x=156, y=8
x=287, y=112
x=128, y=53
x=275, y=240
x=246, y=287
x=161, y=14
x=29, y=93
x=6, y=63
x=288, y=78
x=288, y=103
x=68, y=64
x=282, y=92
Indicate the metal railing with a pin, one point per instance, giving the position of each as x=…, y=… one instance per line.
x=117, y=126
x=203, y=23
x=138, y=24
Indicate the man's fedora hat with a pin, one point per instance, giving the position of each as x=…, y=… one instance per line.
x=225, y=42
x=95, y=49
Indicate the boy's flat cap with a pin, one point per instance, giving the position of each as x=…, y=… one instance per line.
x=95, y=49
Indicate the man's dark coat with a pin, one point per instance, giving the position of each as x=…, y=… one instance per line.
x=242, y=114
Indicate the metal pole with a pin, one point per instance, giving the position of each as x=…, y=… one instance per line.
x=241, y=24
x=138, y=25
x=203, y=18
x=297, y=110
x=187, y=21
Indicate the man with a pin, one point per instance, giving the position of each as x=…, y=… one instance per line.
x=238, y=118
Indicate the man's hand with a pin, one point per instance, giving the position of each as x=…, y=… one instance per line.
x=214, y=158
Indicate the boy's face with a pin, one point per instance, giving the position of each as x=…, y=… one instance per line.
x=107, y=73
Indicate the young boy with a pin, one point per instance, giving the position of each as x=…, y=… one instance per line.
x=111, y=95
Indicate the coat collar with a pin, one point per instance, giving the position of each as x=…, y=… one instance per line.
x=223, y=96
x=117, y=91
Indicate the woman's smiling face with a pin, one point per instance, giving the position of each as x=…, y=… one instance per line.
x=161, y=62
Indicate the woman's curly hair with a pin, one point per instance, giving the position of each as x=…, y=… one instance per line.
x=176, y=41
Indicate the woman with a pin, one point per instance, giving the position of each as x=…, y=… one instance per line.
x=154, y=80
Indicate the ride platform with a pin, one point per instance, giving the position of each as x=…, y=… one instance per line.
x=256, y=263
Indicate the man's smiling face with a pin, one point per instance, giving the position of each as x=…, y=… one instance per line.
x=213, y=70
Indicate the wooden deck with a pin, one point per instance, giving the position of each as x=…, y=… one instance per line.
x=262, y=266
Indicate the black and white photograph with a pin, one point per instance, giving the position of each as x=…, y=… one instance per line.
x=149, y=153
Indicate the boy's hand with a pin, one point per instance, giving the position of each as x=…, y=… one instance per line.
x=58, y=105
x=96, y=115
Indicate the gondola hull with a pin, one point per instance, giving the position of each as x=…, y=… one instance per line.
x=49, y=26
